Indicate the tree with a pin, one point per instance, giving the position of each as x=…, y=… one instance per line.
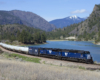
x=29, y=38
x=0, y=38
x=18, y=35
x=12, y=38
x=43, y=37
x=38, y=37
x=77, y=28
x=23, y=37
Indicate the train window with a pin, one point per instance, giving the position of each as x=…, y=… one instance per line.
x=87, y=52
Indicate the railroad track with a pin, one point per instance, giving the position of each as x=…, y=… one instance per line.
x=57, y=62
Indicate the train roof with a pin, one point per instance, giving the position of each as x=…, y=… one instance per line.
x=33, y=47
x=76, y=51
x=64, y=50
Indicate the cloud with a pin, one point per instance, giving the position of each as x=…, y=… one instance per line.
x=79, y=11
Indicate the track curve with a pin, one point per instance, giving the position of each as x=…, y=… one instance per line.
x=58, y=62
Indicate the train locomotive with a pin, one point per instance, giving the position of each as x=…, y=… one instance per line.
x=65, y=54
x=62, y=54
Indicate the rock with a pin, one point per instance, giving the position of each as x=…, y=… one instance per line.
x=95, y=8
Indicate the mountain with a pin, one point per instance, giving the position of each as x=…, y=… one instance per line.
x=86, y=30
x=26, y=18
x=90, y=25
x=60, y=23
x=7, y=18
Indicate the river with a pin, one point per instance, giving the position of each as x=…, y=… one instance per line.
x=76, y=45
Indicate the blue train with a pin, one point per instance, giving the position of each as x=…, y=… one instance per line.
x=66, y=54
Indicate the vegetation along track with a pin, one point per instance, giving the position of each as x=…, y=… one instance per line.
x=59, y=62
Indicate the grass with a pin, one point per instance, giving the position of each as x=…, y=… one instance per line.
x=80, y=67
x=17, y=70
x=24, y=58
x=44, y=62
x=1, y=51
x=14, y=70
x=22, y=44
x=57, y=40
x=25, y=45
x=95, y=62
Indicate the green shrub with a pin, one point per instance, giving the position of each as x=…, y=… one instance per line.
x=80, y=67
x=36, y=60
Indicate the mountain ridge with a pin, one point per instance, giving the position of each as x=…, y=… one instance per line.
x=86, y=30
x=26, y=18
x=60, y=23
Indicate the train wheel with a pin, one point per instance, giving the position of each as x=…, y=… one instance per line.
x=53, y=57
x=39, y=54
x=87, y=62
x=92, y=62
x=66, y=58
x=79, y=60
x=59, y=58
x=27, y=53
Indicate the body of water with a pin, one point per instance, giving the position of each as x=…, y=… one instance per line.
x=76, y=45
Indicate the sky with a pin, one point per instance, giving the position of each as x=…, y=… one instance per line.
x=52, y=9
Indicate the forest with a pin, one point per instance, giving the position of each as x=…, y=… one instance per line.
x=21, y=33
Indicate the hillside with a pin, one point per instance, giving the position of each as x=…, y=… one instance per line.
x=86, y=30
x=6, y=18
x=90, y=27
x=61, y=33
x=21, y=33
x=26, y=18
x=60, y=23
